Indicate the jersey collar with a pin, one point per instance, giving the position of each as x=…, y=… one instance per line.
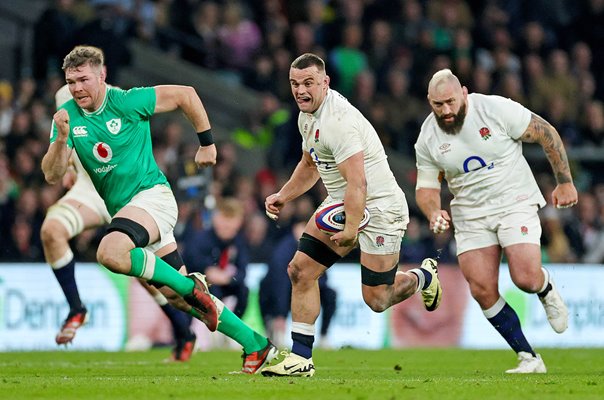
x=317, y=113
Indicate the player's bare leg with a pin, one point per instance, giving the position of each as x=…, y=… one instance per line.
x=55, y=241
x=480, y=267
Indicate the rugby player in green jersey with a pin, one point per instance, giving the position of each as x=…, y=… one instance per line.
x=110, y=132
x=79, y=209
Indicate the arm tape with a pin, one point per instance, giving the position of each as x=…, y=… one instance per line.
x=428, y=179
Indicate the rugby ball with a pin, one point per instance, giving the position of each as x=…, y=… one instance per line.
x=330, y=218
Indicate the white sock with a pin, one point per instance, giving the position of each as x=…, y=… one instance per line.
x=63, y=261
x=546, y=280
x=303, y=328
x=421, y=278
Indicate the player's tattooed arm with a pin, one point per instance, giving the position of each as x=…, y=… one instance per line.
x=542, y=132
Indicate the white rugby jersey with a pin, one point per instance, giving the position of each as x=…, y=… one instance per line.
x=336, y=131
x=483, y=163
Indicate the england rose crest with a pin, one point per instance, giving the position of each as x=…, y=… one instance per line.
x=485, y=133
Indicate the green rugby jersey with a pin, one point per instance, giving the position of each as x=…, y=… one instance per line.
x=114, y=144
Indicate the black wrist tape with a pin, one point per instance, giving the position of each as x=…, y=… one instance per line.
x=205, y=138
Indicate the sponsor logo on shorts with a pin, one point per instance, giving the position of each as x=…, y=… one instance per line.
x=524, y=230
x=379, y=241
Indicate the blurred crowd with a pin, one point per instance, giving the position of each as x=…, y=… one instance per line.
x=380, y=54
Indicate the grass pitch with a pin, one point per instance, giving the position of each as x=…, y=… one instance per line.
x=341, y=374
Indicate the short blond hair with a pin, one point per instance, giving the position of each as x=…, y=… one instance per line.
x=230, y=207
x=82, y=55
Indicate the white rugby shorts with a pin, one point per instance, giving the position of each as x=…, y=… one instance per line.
x=386, y=228
x=160, y=203
x=519, y=225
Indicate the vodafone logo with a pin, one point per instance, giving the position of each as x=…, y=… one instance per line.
x=102, y=152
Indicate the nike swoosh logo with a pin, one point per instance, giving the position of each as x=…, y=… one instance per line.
x=433, y=305
x=288, y=367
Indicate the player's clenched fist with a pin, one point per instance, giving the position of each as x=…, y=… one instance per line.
x=61, y=119
x=206, y=156
x=440, y=221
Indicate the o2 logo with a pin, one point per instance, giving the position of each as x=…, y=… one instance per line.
x=474, y=163
x=315, y=158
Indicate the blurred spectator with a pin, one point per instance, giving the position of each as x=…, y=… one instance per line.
x=53, y=38
x=417, y=244
x=592, y=131
x=9, y=193
x=220, y=252
x=261, y=74
x=263, y=124
x=256, y=232
x=6, y=110
x=534, y=40
x=403, y=111
x=583, y=230
x=554, y=243
x=348, y=60
x=510, y=86
x=110, y=30
x=380, y=48
x=203, y=47
x=239, y=36
x=22, y=245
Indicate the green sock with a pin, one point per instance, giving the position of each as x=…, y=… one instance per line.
x=148, y=266
x=236, y=329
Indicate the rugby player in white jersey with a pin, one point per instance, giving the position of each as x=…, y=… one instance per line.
x=342, y=148
x=79, y=209
x=109, y=129
x=475, y=141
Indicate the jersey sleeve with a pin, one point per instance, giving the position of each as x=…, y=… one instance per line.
x=140, y=100
x=515, y=117
x=427, y=169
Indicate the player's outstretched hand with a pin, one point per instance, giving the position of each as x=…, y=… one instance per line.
x=565, y=195
x=440, y=221
x=206, y=156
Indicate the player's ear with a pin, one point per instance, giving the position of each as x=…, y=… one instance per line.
x=327, y=79
x=464, y=90
x=103, y=75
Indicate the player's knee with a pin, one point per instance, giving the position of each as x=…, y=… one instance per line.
x=528, y=282
x=294, y=272
x=53, y=232
x=377, y=303
x=110, y=257
x=104, y=257
x=483, y=294
x=300, y=274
